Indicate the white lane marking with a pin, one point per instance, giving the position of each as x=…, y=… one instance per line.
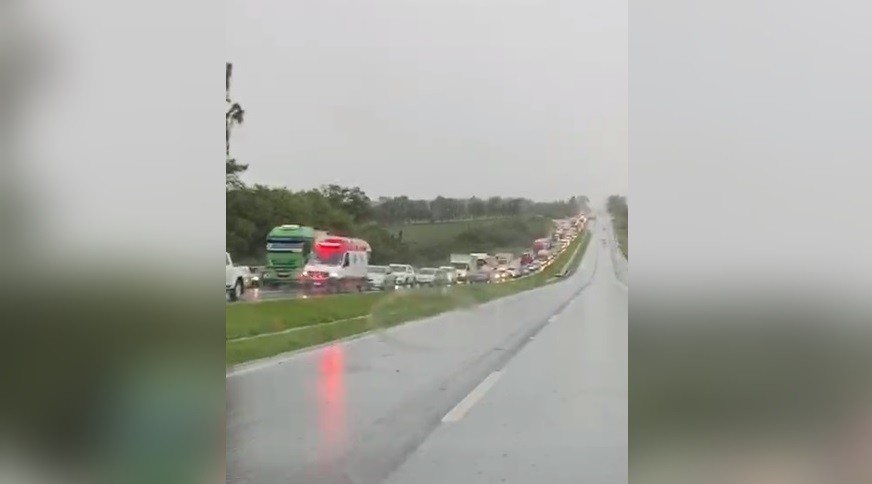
x=460, y=410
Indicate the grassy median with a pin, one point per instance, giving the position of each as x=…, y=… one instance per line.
x=623, y=241
x=313, y=321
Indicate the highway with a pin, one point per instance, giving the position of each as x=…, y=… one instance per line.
x=529, y=388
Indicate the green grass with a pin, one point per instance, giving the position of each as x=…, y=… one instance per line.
x=383, y=309
x=272, y=316
x=623, y=242
x=621, y=233
x=437, y=232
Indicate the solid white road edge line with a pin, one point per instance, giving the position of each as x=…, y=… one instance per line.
x=460, y=410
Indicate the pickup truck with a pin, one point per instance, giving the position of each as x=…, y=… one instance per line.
x=234, y=278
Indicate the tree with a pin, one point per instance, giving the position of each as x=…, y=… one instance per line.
x=476, y=207
x=494, y=206
x=584, y=203
x=353, y=201
x=441, y=208
x=617, y=206
x=233, y=117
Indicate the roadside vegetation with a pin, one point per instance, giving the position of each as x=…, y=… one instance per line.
x=259, y=330
x=617, y=207
x=399, y=230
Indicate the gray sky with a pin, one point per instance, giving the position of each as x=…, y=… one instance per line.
x=433, y=97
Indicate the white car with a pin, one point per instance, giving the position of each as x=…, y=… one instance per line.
x=234, y=278
x=429, y=276
x=450, y=274
x=404, y=274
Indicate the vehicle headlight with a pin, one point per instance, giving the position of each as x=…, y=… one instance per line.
x=334, y=274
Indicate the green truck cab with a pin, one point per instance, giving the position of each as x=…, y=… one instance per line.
x=287, y=250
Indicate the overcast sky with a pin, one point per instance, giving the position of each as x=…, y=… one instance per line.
x=433, y=97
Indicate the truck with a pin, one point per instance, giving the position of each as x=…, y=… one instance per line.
x=485, y=267
x=234, y=278
x=504, y=261
x=288, y=248
x=463, y=264
x=505, y=258
x=336, y=264
x=527, y=258
x=483, y=258
x=541, y=244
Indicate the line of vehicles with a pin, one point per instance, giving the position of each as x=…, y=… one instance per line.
x=316, y=261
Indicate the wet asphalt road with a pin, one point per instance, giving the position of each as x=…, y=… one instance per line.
x=371, y=410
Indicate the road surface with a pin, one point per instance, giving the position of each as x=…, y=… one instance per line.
x=530, y=388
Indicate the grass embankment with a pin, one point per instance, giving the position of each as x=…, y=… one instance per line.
x=428, y=244
x=358, y=313
x=622, y=235
x=619, y=212
x=415, y=233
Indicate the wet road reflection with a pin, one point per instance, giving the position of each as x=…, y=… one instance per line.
x=332, y=428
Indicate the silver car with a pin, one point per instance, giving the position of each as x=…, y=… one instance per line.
x=426, y=276
x=480, y=276
x=404, y=274
x=380, y=277
x=450, y=274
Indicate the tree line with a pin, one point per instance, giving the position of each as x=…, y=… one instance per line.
x=252, y=211
x=403, y=210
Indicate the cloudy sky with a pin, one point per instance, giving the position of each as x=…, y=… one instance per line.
x=433, y=97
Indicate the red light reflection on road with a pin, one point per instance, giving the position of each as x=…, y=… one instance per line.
x=331, y=403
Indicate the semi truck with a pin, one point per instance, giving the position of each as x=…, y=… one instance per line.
x=288, y=248
x=336, y=264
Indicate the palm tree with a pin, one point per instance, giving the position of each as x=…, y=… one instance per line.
x=234, y=117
